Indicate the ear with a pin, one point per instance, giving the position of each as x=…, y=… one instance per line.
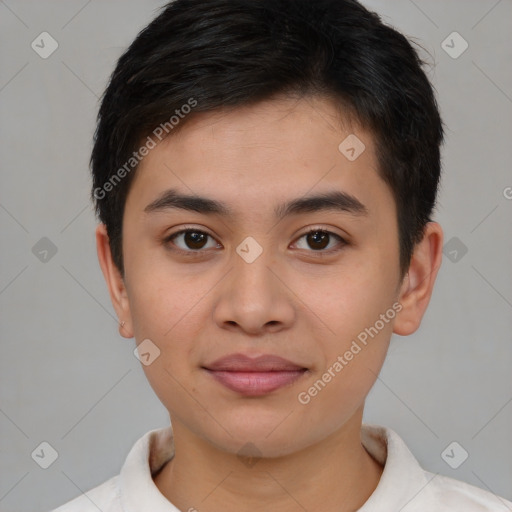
x=417, y=286
x=115, y=282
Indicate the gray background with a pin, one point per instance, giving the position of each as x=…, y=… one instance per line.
x=69, y=379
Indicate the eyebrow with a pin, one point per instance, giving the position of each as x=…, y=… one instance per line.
x=328, y=201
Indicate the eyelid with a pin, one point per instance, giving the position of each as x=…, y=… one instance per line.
x=184, y=229
x=343, y=241
x=325, y=229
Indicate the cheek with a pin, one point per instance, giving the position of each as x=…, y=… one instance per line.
x=162, y=300
x=170, y=373
x=348, y=299
x=352, y=364
x=356, y=314
x=165, y=309
x=335, y=395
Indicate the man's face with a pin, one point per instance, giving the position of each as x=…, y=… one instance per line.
x=256, y=283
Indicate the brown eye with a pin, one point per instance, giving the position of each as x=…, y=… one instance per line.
x=194, y=239
x=319, y=239
x=190, y=240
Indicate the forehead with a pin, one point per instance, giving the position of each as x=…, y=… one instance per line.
x=254, y=157
x=273, y=126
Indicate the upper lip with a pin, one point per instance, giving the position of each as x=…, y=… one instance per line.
x=243, y=363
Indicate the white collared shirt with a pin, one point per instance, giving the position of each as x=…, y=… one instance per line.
x=404, y=486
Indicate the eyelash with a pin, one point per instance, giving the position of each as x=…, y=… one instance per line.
x=198, y=253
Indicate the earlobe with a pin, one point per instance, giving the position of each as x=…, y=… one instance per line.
x=114, y=281
x=418, y=283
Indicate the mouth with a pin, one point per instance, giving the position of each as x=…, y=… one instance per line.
x=254, y=376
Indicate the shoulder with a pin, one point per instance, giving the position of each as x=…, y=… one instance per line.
x=104, y=497
x=453, y=494
x=134, y=484
x=406, y=486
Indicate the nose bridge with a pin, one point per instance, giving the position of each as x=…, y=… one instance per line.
x=251, y=267
x=252, y=296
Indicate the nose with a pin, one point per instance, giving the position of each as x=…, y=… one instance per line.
x=254, y=297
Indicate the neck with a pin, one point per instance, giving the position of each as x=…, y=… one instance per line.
x=335, y=475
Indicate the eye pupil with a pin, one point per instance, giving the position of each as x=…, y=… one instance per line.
x=193, y=237
x=318, y=237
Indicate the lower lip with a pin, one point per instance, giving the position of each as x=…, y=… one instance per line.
x=256, y=383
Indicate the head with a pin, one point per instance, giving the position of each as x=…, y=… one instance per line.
x=277, y=119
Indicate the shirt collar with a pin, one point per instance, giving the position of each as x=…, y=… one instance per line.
x=403, y=485
x=148, y=455
x=401, y=482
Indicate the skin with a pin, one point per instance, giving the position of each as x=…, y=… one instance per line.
x=288, y=302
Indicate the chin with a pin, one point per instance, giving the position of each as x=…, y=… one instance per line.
x=256, y=435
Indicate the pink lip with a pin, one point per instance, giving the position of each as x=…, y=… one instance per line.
x=254, y=376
